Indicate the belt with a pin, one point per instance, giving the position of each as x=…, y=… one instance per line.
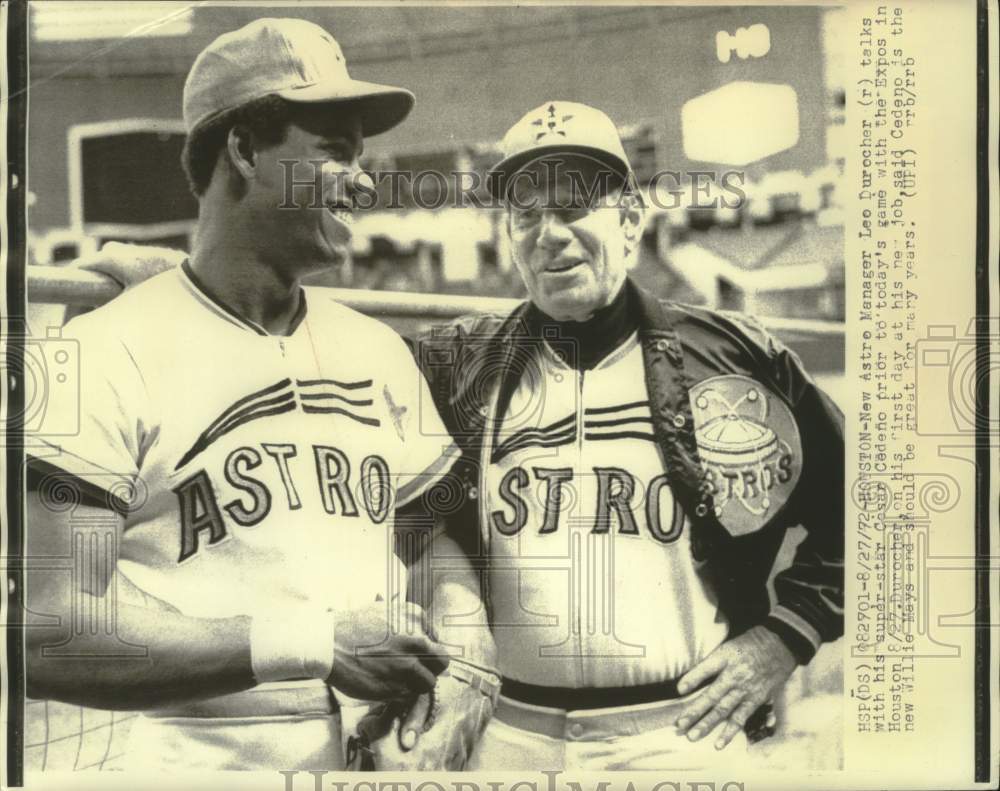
x=262, y=701
x=617, y=719
x=589, y=725
x=572, y=699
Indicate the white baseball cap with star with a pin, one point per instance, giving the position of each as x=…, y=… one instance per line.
x=558, y=127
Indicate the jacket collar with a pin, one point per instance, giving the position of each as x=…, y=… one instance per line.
x=653, y=315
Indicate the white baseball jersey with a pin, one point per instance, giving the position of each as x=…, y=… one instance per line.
x=266, y=469
x=592, y=580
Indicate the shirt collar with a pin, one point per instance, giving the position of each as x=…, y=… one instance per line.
x=206, y=297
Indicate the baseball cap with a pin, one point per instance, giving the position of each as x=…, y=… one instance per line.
x=558, y=127
x=291, y=58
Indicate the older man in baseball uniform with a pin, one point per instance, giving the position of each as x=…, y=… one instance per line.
x=633, y=466
x=629, y=470
x=246, y=451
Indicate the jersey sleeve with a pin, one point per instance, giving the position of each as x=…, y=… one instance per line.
x=86, y=442
x=428, y=450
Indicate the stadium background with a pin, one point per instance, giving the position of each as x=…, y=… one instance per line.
x=104, y=135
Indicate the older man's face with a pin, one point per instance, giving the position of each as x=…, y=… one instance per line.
x=571, y=252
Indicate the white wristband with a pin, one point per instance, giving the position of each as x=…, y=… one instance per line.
x=297, y=643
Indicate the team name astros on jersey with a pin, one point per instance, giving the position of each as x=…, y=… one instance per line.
x=248, y=468
x=331, y=473
x=615, y=491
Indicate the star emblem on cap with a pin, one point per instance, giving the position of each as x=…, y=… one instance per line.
x=551, y=122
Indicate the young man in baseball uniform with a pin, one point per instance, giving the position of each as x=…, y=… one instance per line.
x=241, y=452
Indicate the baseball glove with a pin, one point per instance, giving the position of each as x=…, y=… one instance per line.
x=458, y=710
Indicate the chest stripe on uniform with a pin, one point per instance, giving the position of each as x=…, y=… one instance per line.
x=560, y=432
x=338, y=396
x=335, y=383
x=569, y=439
x=563, y=431
x=235, y=406
x=276, y=406
x=336, y=410
x=278, y=399
x=604, y=410
x=620, y=435
x=515, y=444
x=250, y=412
x=618, y=422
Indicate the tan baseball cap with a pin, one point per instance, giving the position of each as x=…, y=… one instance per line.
x=558, y=128
x=291, y=58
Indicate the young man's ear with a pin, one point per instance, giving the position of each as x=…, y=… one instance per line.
x=242, y=153
x=633, y=218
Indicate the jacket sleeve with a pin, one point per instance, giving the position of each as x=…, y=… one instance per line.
x=450, y=504
x=809, y=594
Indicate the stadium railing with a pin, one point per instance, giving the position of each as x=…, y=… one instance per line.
x=820, y=343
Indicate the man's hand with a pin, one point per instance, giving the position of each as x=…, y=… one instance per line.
x=375, y=661
x=748, y=670
x=450, y=736
x=438, y=733
x=130, y=264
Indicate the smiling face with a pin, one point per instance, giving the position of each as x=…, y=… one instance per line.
x=571, y=251
x=304, y=189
